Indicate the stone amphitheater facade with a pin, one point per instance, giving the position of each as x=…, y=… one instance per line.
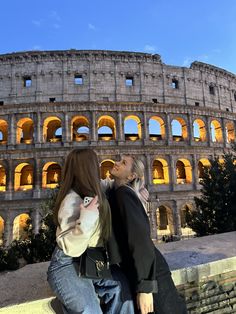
x=174, y=118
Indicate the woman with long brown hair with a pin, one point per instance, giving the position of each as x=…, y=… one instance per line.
x=80, y=228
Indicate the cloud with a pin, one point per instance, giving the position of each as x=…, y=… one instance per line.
x=187, y=61
x=150, y=48
x=91, y=26
x=37, y=23
x=55, y=16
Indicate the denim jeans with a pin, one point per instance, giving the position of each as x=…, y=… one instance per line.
x=82, y=295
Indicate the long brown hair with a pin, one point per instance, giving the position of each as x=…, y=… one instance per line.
x=81, y=173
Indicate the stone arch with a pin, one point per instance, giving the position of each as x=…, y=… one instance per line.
x=1, y=230
x=80, y=128
x=24, y=175
x=216, y=131
x=199, y=130
x=25, y=131
x=156, y=127
x=230, y=131
x=165, y=220
x=106, y=128
x=20, y=224
x=51, y=175
x=106, y=166
x=132, y=128
x=52, y=129
x=202, y=164
x=179, y=129
x=3, y=132
x=160, y=172
x=183, y=171
x=2, y=178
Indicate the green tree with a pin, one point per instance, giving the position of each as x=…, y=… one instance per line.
x=216, y=208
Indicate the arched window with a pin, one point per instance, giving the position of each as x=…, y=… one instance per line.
x=132, y=128
x=230, y=132
x=80, y=129
x=106, y=167
x=202, y=164
x=52, y=131
x=199, y=130
x=156, y=128
x=216, y=132
x=106, y=128
x=160, y=172
x=20, y=224
x=183, y=171
x=23, y=177
x=51, y=175
x=179, y=129
x=2, y=178
x=3, y=132
x=25, y=130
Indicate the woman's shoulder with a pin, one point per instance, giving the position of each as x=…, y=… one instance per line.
x=72, y=196
x=126, y=190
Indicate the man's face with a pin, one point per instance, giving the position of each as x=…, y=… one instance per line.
x=122, y=169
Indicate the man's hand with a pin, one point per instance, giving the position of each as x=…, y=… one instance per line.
x=145, y=302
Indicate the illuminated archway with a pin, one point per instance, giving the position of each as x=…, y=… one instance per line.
x=2, y=178
x=132, y=128
x=179, y=129
x=230, y=132
x=106, y=166
x=156, y=128
x=160, y=171
x=80, y=129
x=51, y=176
x=52, y=130
x=199, y=130
x=165, y=221
x=23, y=177
x=106, y=128
x=216, y=132
x=183, y=171
x=24, y=131
x=20, y=225
x=3, y=132
x=202, y=164
x=1, y=230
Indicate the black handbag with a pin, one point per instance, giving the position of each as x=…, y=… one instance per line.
x=94, y=264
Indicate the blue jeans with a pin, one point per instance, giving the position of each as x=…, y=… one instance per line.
x=82, y=295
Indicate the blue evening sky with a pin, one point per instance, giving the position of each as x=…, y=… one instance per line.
x=181, y=31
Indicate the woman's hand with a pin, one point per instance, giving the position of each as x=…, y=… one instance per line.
x=93, y=205
x=145, y=302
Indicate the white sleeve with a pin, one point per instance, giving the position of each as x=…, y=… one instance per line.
x=75, y=229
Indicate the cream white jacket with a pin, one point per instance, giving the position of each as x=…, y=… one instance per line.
x=77, y=228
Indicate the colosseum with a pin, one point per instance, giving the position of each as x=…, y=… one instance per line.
x=174, y=118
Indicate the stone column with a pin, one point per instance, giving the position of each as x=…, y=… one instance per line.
x=194, y=172
x=190, y=129
x=145, y=129
x=152, y=219
x=148, y=169
x=10, y=181
x=224, y=135
x=66, y=130
x=37, y=179
x=168, y=130
x=94, y=131
x=36, y=221
x=172, y=172
x=12, y=133
x=8, y=231
x=208, y=129
x=39, y=132
x=177, y=220
x=120, y=128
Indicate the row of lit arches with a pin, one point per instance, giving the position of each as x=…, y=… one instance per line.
x=51, y=173
x=164, y=216
x=80, y=129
